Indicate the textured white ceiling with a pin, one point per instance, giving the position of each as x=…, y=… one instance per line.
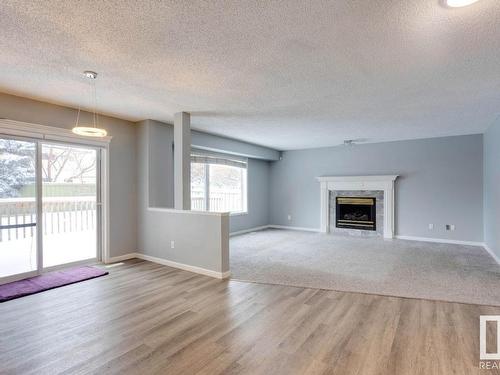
x=286, y=74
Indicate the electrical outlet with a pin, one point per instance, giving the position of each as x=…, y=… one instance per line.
x=172, y=244
x=452, y=226
x=447, y=227
x=431, y=226
x=289, y=217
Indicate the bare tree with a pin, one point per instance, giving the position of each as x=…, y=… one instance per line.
x=54, y=160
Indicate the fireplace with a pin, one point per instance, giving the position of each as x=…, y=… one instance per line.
x=356, y=213
x=358, y=186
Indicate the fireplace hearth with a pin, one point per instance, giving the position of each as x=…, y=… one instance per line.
x=356, y=213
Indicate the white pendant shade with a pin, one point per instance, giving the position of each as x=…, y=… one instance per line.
x=89, y=131
x=459, y=3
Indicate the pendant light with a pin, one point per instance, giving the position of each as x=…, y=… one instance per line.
x=460, y=3
x=94, y=130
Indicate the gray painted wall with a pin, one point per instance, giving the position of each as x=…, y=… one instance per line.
x=161, y=189
x=122, y=158
x=258, y=198
x=161, y=166
x=441, y=178
x=492, y=188
x=441, y=182
x=201, y=239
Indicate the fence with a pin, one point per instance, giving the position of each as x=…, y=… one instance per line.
x=59, y=215
x=75, y=214
x=218, y=201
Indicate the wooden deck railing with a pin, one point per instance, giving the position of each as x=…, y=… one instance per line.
x=59, y=215
x=219, y=202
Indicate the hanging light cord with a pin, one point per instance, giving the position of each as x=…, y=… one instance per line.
x=92, y=126
x=78, y=116
x=94, y=97
x=93, y=94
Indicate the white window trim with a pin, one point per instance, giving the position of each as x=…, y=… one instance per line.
x=244, y=195
x=26, y=129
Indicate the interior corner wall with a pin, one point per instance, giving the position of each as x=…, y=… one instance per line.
x=441, y=182
x=161, y=172
x=258, y=198
x=161, y=164
x=492, y=188
x=122, y=159
x=185, y=238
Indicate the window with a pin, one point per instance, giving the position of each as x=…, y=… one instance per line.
x=218, y=183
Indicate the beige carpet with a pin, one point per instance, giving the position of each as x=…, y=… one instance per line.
x=401, y=268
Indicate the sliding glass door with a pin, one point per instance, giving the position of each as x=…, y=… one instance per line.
x=18, y=207
x=50, y=210
x=69, y=204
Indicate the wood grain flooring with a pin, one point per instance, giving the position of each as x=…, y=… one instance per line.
x=145, y=318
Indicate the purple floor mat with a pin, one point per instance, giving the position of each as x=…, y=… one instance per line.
x=48, y=281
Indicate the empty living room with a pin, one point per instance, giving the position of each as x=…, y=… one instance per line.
x=245, y=187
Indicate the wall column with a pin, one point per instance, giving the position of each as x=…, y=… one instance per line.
x=182, y=161
x=324, y=226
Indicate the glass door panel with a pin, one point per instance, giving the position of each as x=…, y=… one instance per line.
x=18, y=237
x=69, y=203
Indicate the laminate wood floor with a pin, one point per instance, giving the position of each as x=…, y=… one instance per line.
x=145, y=318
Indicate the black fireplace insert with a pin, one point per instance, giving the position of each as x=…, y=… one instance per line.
x=356, y=213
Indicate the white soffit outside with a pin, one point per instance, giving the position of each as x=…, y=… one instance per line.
x=285, y=74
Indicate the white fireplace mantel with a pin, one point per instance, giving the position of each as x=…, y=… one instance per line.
x=384, y=183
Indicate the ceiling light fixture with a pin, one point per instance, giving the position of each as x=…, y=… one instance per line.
x=354, y=142
x=94, y=130
x=459, y=3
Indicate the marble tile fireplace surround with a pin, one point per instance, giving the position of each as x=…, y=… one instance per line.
x=352, y=227
x=379, y=187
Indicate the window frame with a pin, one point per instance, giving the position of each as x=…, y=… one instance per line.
x=244, y=184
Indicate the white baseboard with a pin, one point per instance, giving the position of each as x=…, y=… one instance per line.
x=254, y=229
x=185, y=267
x=293, y=228
x=490, y=251
x=121, y=258
x=165, y=262
x=439, y=240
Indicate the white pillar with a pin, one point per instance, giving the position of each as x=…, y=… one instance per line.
x=182, y=161
x=389, y=210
